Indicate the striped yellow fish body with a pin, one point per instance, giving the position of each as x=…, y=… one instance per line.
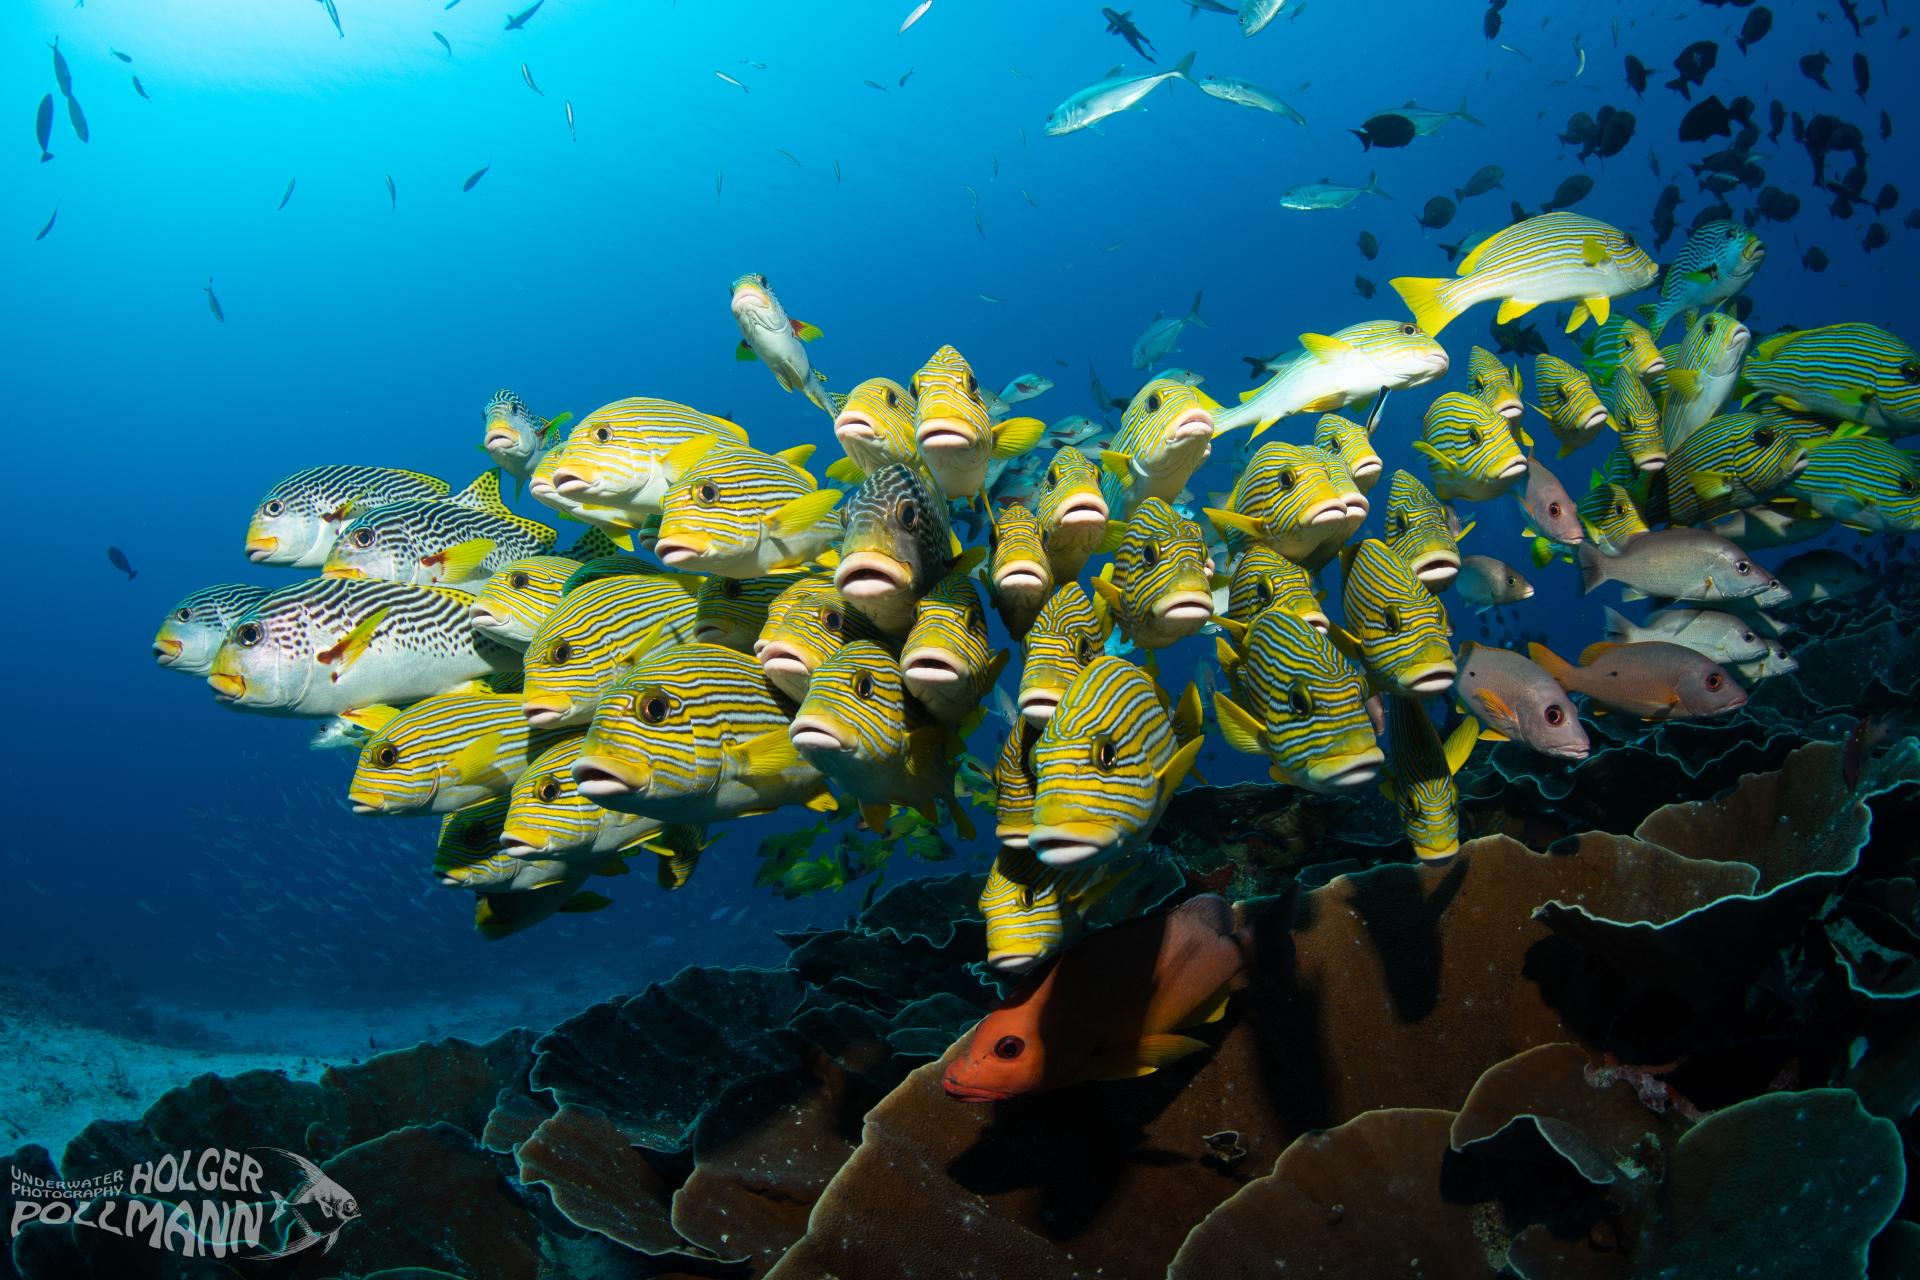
x=875, y=427
x=458, y=540
x=1332, y=371
x=594, y=635
x=1698, y=384
x=329, y=645
x=198, y=623
x=502, y=873
x=948, y=661
x=1419, y=780
x=1031, y=908
x=858, y=727
x=806, y=624
x=1165, y=435
x=953, y=430
x=898, y=543
x=1264, y=579
x=1494, y=383
x=628, y=454
x=548, y=818
x=1637, y=419
x=1553, y=257
x=679, y=846
x=694, y=734
x=1855, y=371
x=1422, y=532
x=616, y=522
x=1019, y=575
x=1400, y=626
x=1161, y=590
x=1622, y=341
x=299, y=519
x=1306, y=708
x=1863, y=481
x=445, y=753
x=1105, y=767
x=1348, y=440
x=741, y=513
x=1471, y=449
x=1297, y=499
x=511, y=605
x=467, y=840
x=1073, y=513
x=1013, y=785
x=1610, y=515
x=1800, y=424
x=732, y=611
x=1068, y=634
x=515, y=435
x=1569, y=402
x=1734, y=460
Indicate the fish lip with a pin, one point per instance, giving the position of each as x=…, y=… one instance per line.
x=1194, y=424
x=1085, y=508
x=1436, y=568
x=1038, y=705
x=344, y=572
x=930, y=666
x=1068, y=846
x=1185, y=606
x=570, y=483
x=541, y=487
x=675, y=551
x=972, y=1093
x=1019, y=962
x=544, y=715
x=227, y=688
x=1357, y=504
x=502, y=436
x=944, y=435
x=597, y=776
x=1433, y=678
x=783, y=658
x=167, y=652
x=1365, y=467
x=1328, y=512
x=1430, y=856
x=515, y=847
x=854, y=425
x=1018, y=576
x=1355, y=770
x=363, y=809
x=1594, y=420
x=868, y=575
x=809, y=733
x=259, y=548
x=1652, y=462
x=709, y=633
x=1518, y=467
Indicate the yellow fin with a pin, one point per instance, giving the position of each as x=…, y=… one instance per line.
x=462, y=560
x=1600, y=307
x=1422, y=294
x=1176, y=771
x=1214, y=1009
x=1233, y=520
x=801, y=514
x=821, y=801
x=1118, y=465
x=681, y=458
x=797, y=455
x=1237, y=726
x=804, y=331
x=1148, y=1056
x=1709, y=484
x=1592, y=252
x=876, y=816
x=1771, y=347
x=769, y=753
x=1016, y=436
x=353, y=644
x=1323, y=348
x=1512, y=309
x=373, y=718
x=1684, y=381
x=846, y=471
x=967, y=561
x=1597, y=650
x=1188, y=718
x=1496, y=705
x=1432, y=455
x=1472, y=260
x=482, y=495
x=1104, y=588
x=1328, y=403
x=474, y=761
x=1111, y=539
x=1460, y=743
x=926, y=748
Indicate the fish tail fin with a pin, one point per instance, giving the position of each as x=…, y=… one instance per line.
x=1619, y=629
x=1193, y=312
x=1593, y=568
x=1259, y=369
x=1373, y=187
x=1425, y=296
x=1461, y=111
x=1366, y=143
x=1184, y=69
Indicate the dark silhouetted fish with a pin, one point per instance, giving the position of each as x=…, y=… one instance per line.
x=1719, y=212
x=1693, y=64
x=124, y=57
x=1776, y=205
x=49, y=226
x=1877, y=237
x=1490, y=22
x=1121, y=24
x=1369, y=246
x=286, y=195
x=213, y=302
x=118, y=559
x=1388, y=129
x=474, y=179
x=1438, y=213
x=1637, y=76
x=393, y=195
x=443, y=43
x=1569, y=193
x=1706, y=119
x=62, y=76
x=515, y=21
x=1776, y=118
x=1814, y=259
x=1516, y=337
x=1580, y=128
x=1852, y=13
x=43, y=127
x=1484, y=179
x=1889, y=196
x=140, y=88
x=1862, y=75
x=1758, y=23
x=1365, y=287
x=1663, y=215
x=1814, y=67
x=1613, y=130
x=1886, y=127
x=78, y=119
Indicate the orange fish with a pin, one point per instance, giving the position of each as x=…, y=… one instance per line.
x=1650, y=679
x=1108, y=1008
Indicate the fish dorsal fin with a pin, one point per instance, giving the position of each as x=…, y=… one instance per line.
x=1116, y=71
x=1472, y=260
x=1323, y=348
x=681, y=458
x=483, y=495
x=1771, y=347
x=798, y=455
x=436, y=483
x=1597, y=650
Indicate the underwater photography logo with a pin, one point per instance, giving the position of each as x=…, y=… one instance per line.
x=215, y=1202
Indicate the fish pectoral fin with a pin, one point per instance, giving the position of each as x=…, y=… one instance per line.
x=804, y=331
x=1151, y=1053
x=1177, y=768
x=1213, y=1009
x=801, y=514
x=1237, y=725
x=584, y=901
x=1684, y=381
x=1332, y=402
x=1118, y=465
x=1111, y=539
x=744, y=352
x=822, y=801
x=474, y=761
x=1223, y=521
x=1432, y=455
x=1632, y=593
x=1460, y=743
x=845, y=471
x=767, y=754
x=876, y=816
x=1325, y=349
x=1496, y=705
x=926, y=749
x=1016, y=436
x=1709, y=484
x=1592, y=252
x=1104, y=588
x=462, y=560
x=1511, y=309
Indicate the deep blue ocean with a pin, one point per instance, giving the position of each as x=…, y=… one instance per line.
x=209, y=856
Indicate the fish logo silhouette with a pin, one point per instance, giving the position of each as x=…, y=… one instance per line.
x=316, y=1206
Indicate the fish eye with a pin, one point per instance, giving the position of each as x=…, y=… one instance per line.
x=832, y=619
x=893, y=398
x=247, y=634
x=730, y=588
x=913, y=385
x=1083, y=648
x=1473, y=435
x=907, y=513
x=1715, y=680
x=1151, y=554
x=1298, y=700
x=654, y=709
x=1911, y=371
x=1390, y=619
x=1742, y=567
x=184, y=615
x=362, y=538
x=548, y=790
x=518, y=581
x=1763, y=437
x=1288, y=480
x=387, y=756
x=707, y=493
x=273, y=508
x=1512, y=581
x=1153, y=403
x=973, y=385
x=863, y=687
x=1053, y=475
x=1556, y=714
x=1553, y=509
x=562, y=653
x=1007, y=1048
x=1906, y=484
x=1409, y=330
x=1747, y=636
x=1263, y=593
x=603, y=434
x=1626, y=238
x=1706, y=326
x=1399, y=525
x=1104, y=755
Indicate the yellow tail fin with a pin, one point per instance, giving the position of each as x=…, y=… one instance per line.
x=1423, y=297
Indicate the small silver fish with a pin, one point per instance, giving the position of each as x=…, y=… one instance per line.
x=735, y=83
x=570, y=132
x=526, y=73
